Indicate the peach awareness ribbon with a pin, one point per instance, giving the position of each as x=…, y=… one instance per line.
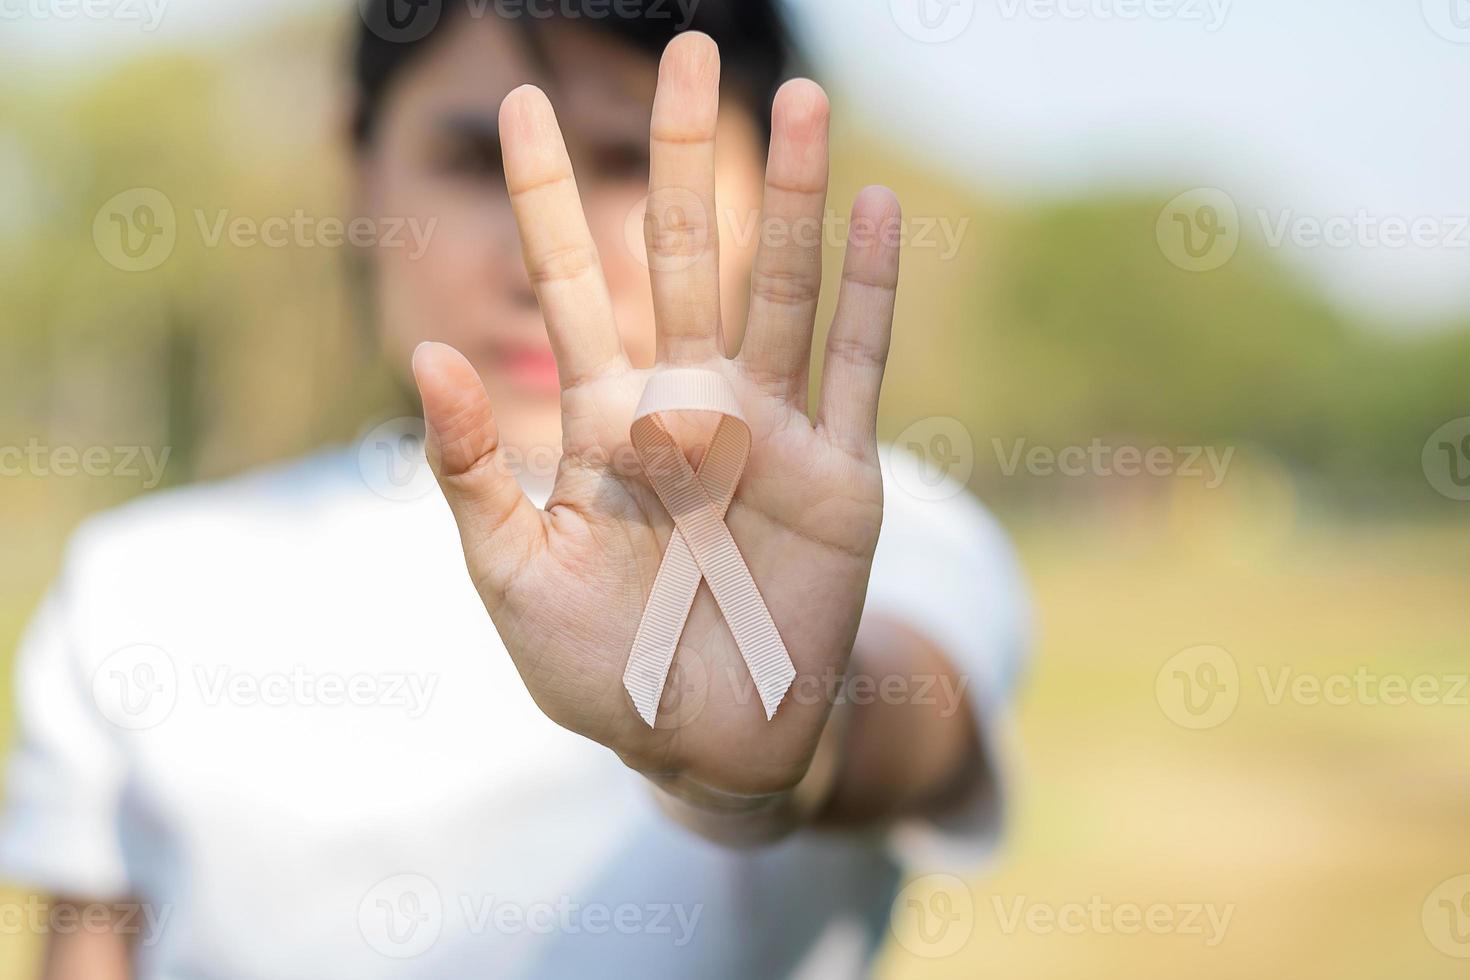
x=701, y=545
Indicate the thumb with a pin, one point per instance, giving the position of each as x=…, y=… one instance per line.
x=498, y=525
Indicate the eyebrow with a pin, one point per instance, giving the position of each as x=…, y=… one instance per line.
x=483, y=131
x=471, y=126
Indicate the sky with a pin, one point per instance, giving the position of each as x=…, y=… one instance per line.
x=1333, y=128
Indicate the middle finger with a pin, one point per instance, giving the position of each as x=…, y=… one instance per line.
x=680, y=227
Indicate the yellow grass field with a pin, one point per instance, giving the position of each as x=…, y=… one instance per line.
x=1325, y=826
x=1316, y=832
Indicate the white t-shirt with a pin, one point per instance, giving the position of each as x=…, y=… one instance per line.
x=275, y=710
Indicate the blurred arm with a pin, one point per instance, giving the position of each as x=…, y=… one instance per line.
x=906, y=756
x=92, y=947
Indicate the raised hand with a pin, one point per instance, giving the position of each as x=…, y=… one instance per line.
x=566, y=586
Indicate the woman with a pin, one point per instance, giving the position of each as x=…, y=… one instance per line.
x=277, y=713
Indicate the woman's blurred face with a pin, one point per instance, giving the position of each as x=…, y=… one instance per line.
x=436, y=158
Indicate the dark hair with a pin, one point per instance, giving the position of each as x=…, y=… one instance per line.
x=756, y=51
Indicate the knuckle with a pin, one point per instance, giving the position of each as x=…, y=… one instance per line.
x=676, y=232
x=784, y=287
x=852, y=350
x=568, y=262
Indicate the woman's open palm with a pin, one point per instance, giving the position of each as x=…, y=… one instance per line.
x=566, y=586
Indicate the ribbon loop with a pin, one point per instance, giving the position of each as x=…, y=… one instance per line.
x=701, y=546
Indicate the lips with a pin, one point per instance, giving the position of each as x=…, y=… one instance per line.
x=530, y=367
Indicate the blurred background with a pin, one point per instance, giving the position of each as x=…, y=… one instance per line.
x=1186, y=300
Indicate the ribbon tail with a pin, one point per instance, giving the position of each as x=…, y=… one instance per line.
x=773, y=683
x=658, y=634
